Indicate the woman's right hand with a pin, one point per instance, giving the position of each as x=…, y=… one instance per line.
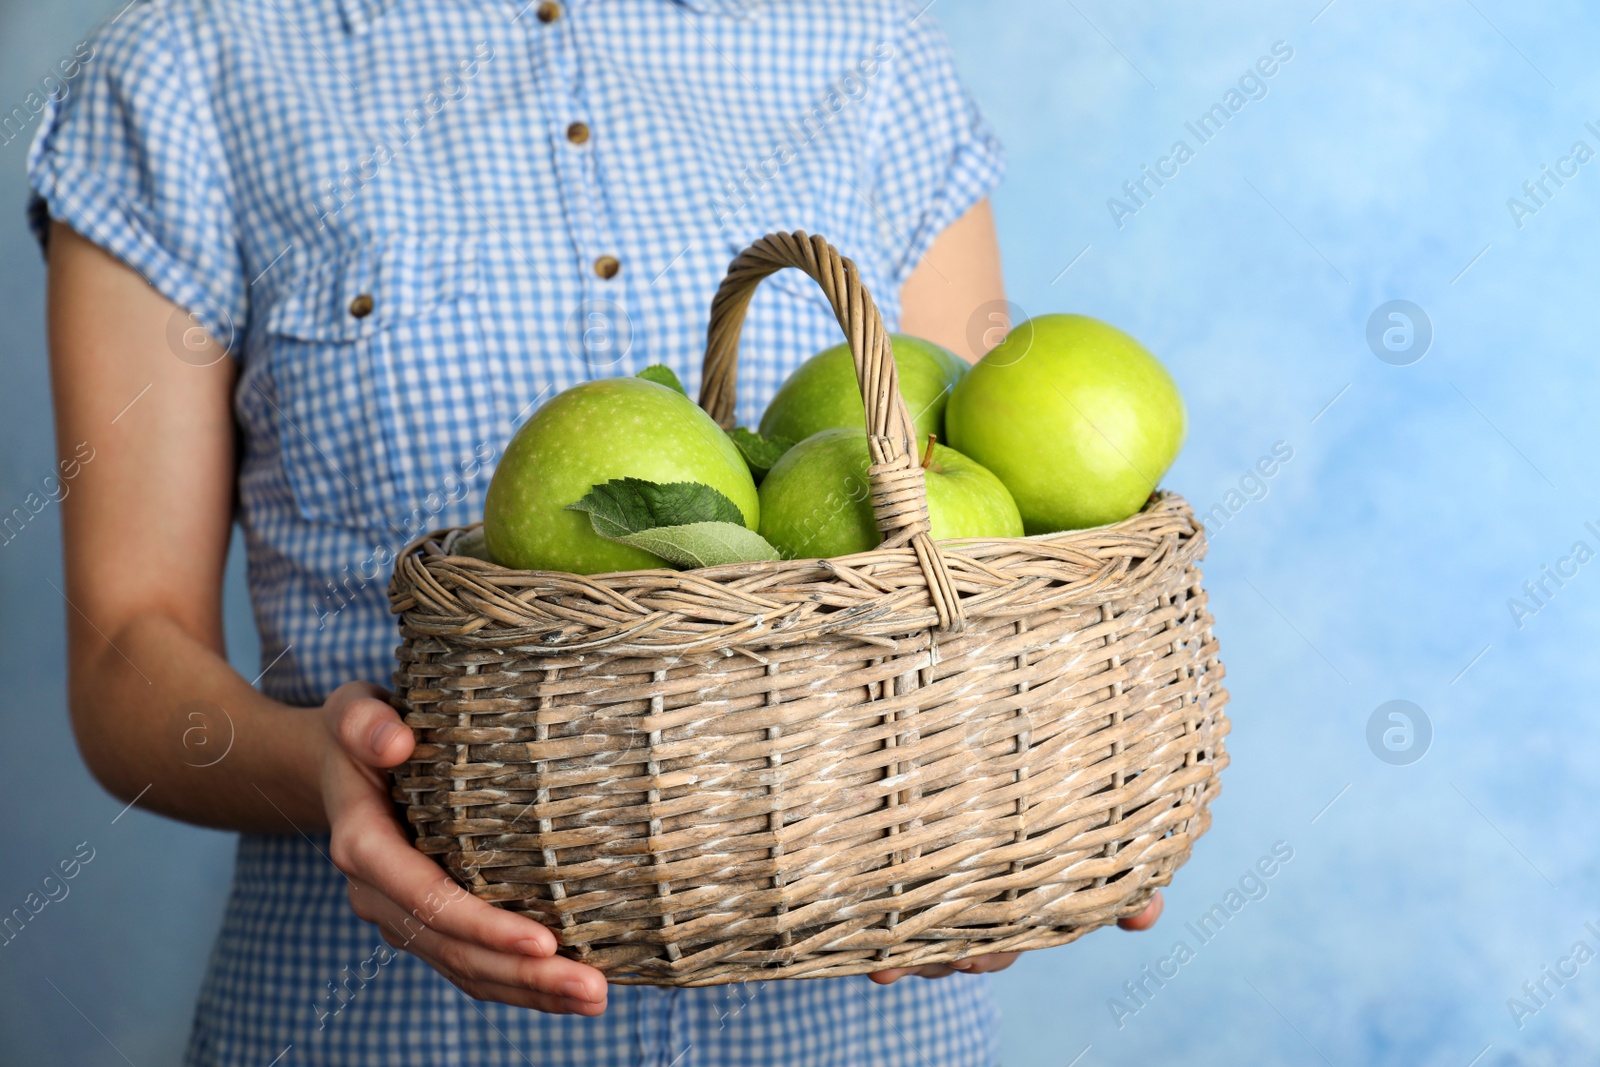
x=490, y=954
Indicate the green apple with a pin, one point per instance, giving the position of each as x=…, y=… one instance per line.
x=1077, y=418
x=589, y=434
x=822, y=392
x=815, y=502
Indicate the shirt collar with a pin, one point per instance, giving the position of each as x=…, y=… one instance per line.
x=360, y=14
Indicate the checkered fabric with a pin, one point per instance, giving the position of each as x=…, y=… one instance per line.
x=411, y=221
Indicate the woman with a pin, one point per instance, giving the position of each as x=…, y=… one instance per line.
x=311, y=262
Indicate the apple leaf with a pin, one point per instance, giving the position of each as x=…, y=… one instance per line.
x=685, y=523
x=759, y=452
x=628, y=505
x=472, y=543
x=702, y=544
x=662, y=374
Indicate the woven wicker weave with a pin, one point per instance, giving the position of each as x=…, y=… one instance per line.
x=815, y=768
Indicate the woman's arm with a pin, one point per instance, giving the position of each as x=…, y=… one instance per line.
x=146, y=527
x=959, y=276
x=145, y=530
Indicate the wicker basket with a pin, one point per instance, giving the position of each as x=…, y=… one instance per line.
x=814, y=768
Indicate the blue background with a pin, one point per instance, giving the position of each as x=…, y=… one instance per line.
x=1376, y=566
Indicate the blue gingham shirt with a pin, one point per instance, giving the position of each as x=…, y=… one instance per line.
x=411, y=221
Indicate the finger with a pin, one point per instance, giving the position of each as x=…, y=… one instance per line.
x=369, y=847
x=1146, y=918
x=894, y=974
x=525, y=998
x=987, y=963
x=368, y=729
x=555, y=978
x=890, y=976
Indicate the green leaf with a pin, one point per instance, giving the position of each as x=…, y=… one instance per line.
x=472, y=543
x=628, y=505
x=662, y=374
x=702, y=544
x=685, y=523
x=759, y=452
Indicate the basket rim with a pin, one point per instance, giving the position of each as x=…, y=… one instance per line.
x=1161, y=498
x=878, y=595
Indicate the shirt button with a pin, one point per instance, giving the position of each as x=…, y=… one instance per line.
x=578, y=133
x=607, y=266
x=361, y=306
x=548, y=11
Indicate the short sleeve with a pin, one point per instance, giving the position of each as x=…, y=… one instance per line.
x=937, y=154
x=129, y=156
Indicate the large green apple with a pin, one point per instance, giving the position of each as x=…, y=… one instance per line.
x=822, y=392
x=589, y=434
x=1077, y=418
x=815, y=502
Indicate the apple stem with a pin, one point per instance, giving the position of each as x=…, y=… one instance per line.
x=927, y=453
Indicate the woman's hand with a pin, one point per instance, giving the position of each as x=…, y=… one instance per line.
x=490, y=954
x=999, y=961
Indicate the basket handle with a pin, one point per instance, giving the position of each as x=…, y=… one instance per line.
x=899, y=491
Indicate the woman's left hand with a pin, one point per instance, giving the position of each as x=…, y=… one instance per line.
x=999, y=961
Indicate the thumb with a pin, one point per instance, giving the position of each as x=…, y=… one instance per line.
x=1146, y=918
x=369, y=730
